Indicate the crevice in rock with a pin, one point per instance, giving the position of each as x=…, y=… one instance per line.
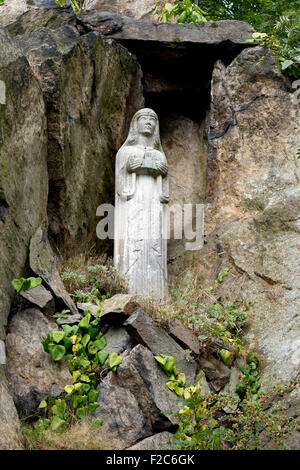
x=267, y=279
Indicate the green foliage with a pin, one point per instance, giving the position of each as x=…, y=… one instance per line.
x=184, y=11
x=205, y=425
x=249, y=380
x=220, y=319
x=75, y=5
x=277, y=19
x=26, y=284
x=298, y=153
x=284, y=41
x=83, y=346
x=114, y=361
x=97, y=284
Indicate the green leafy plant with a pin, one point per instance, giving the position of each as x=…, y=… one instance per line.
x=184, y=11
x=249, y=379
x=221, y=320
x=83, y=346
x=284, y=41
x=205, y=425
x=26, y=284
x=96, y=284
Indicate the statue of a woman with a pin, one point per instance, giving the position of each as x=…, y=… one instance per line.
x=142, y=192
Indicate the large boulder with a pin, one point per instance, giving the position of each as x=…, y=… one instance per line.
x=88, y=115
x=253, y=200
x=10, y=437
x=143, y=330
x=32, y=372
x=133, y=400
x=23, y=166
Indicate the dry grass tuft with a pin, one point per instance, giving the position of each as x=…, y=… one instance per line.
x=79, y=436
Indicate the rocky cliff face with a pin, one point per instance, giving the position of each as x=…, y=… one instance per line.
x=72, y=86
x=252, y=213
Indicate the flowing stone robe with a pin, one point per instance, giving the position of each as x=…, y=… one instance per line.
x=140, y=238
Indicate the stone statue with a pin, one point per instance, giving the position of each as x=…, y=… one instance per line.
x=142, y=192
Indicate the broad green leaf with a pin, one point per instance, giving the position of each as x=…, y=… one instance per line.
x=57, y=336
x=95, y=423
x=70, y=330
x=81, y=412
x=67, y=343
x=56, y=422
x=225, y=355
x=86, y=387
x=102, y=356
x=78, y=386
x=69, y=389
x=101, y=343
x=56, y=351
x=181, y=379
x=85, y=321
x=93, y=406
x=31, y=282
x=43, y=404
x=171, y=384
x=76, y=374
x=85, y=340
x=93, y=395
x=85, y=378
x=92, y=348
x=77, y=400
x=17, y=284
x=179, y=390
x=114, y=360
x=286, y=63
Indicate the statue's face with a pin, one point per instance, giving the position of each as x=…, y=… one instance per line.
x=146, y=124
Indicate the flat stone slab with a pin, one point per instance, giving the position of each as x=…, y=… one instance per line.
x=118, y=308
x=94, y=309
x=184, y=336
x=143, y=330
x=38, y=296
x=124, y=28
x=160, y=441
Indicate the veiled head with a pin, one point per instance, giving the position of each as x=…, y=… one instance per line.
x=144, y=122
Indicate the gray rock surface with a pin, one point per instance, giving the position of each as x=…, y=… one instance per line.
x=159, y=441
x=43, y=264
x=184, y=336
x=216, y=372
x=125, y=28
x=118, y=340
x=251, y=216
x=143, y=330
x=32, y=371
x=23, y=167
x=11, y=437
x=40, y=297
x=141, y=383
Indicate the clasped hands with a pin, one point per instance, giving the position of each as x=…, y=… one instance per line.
x=135, y=162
